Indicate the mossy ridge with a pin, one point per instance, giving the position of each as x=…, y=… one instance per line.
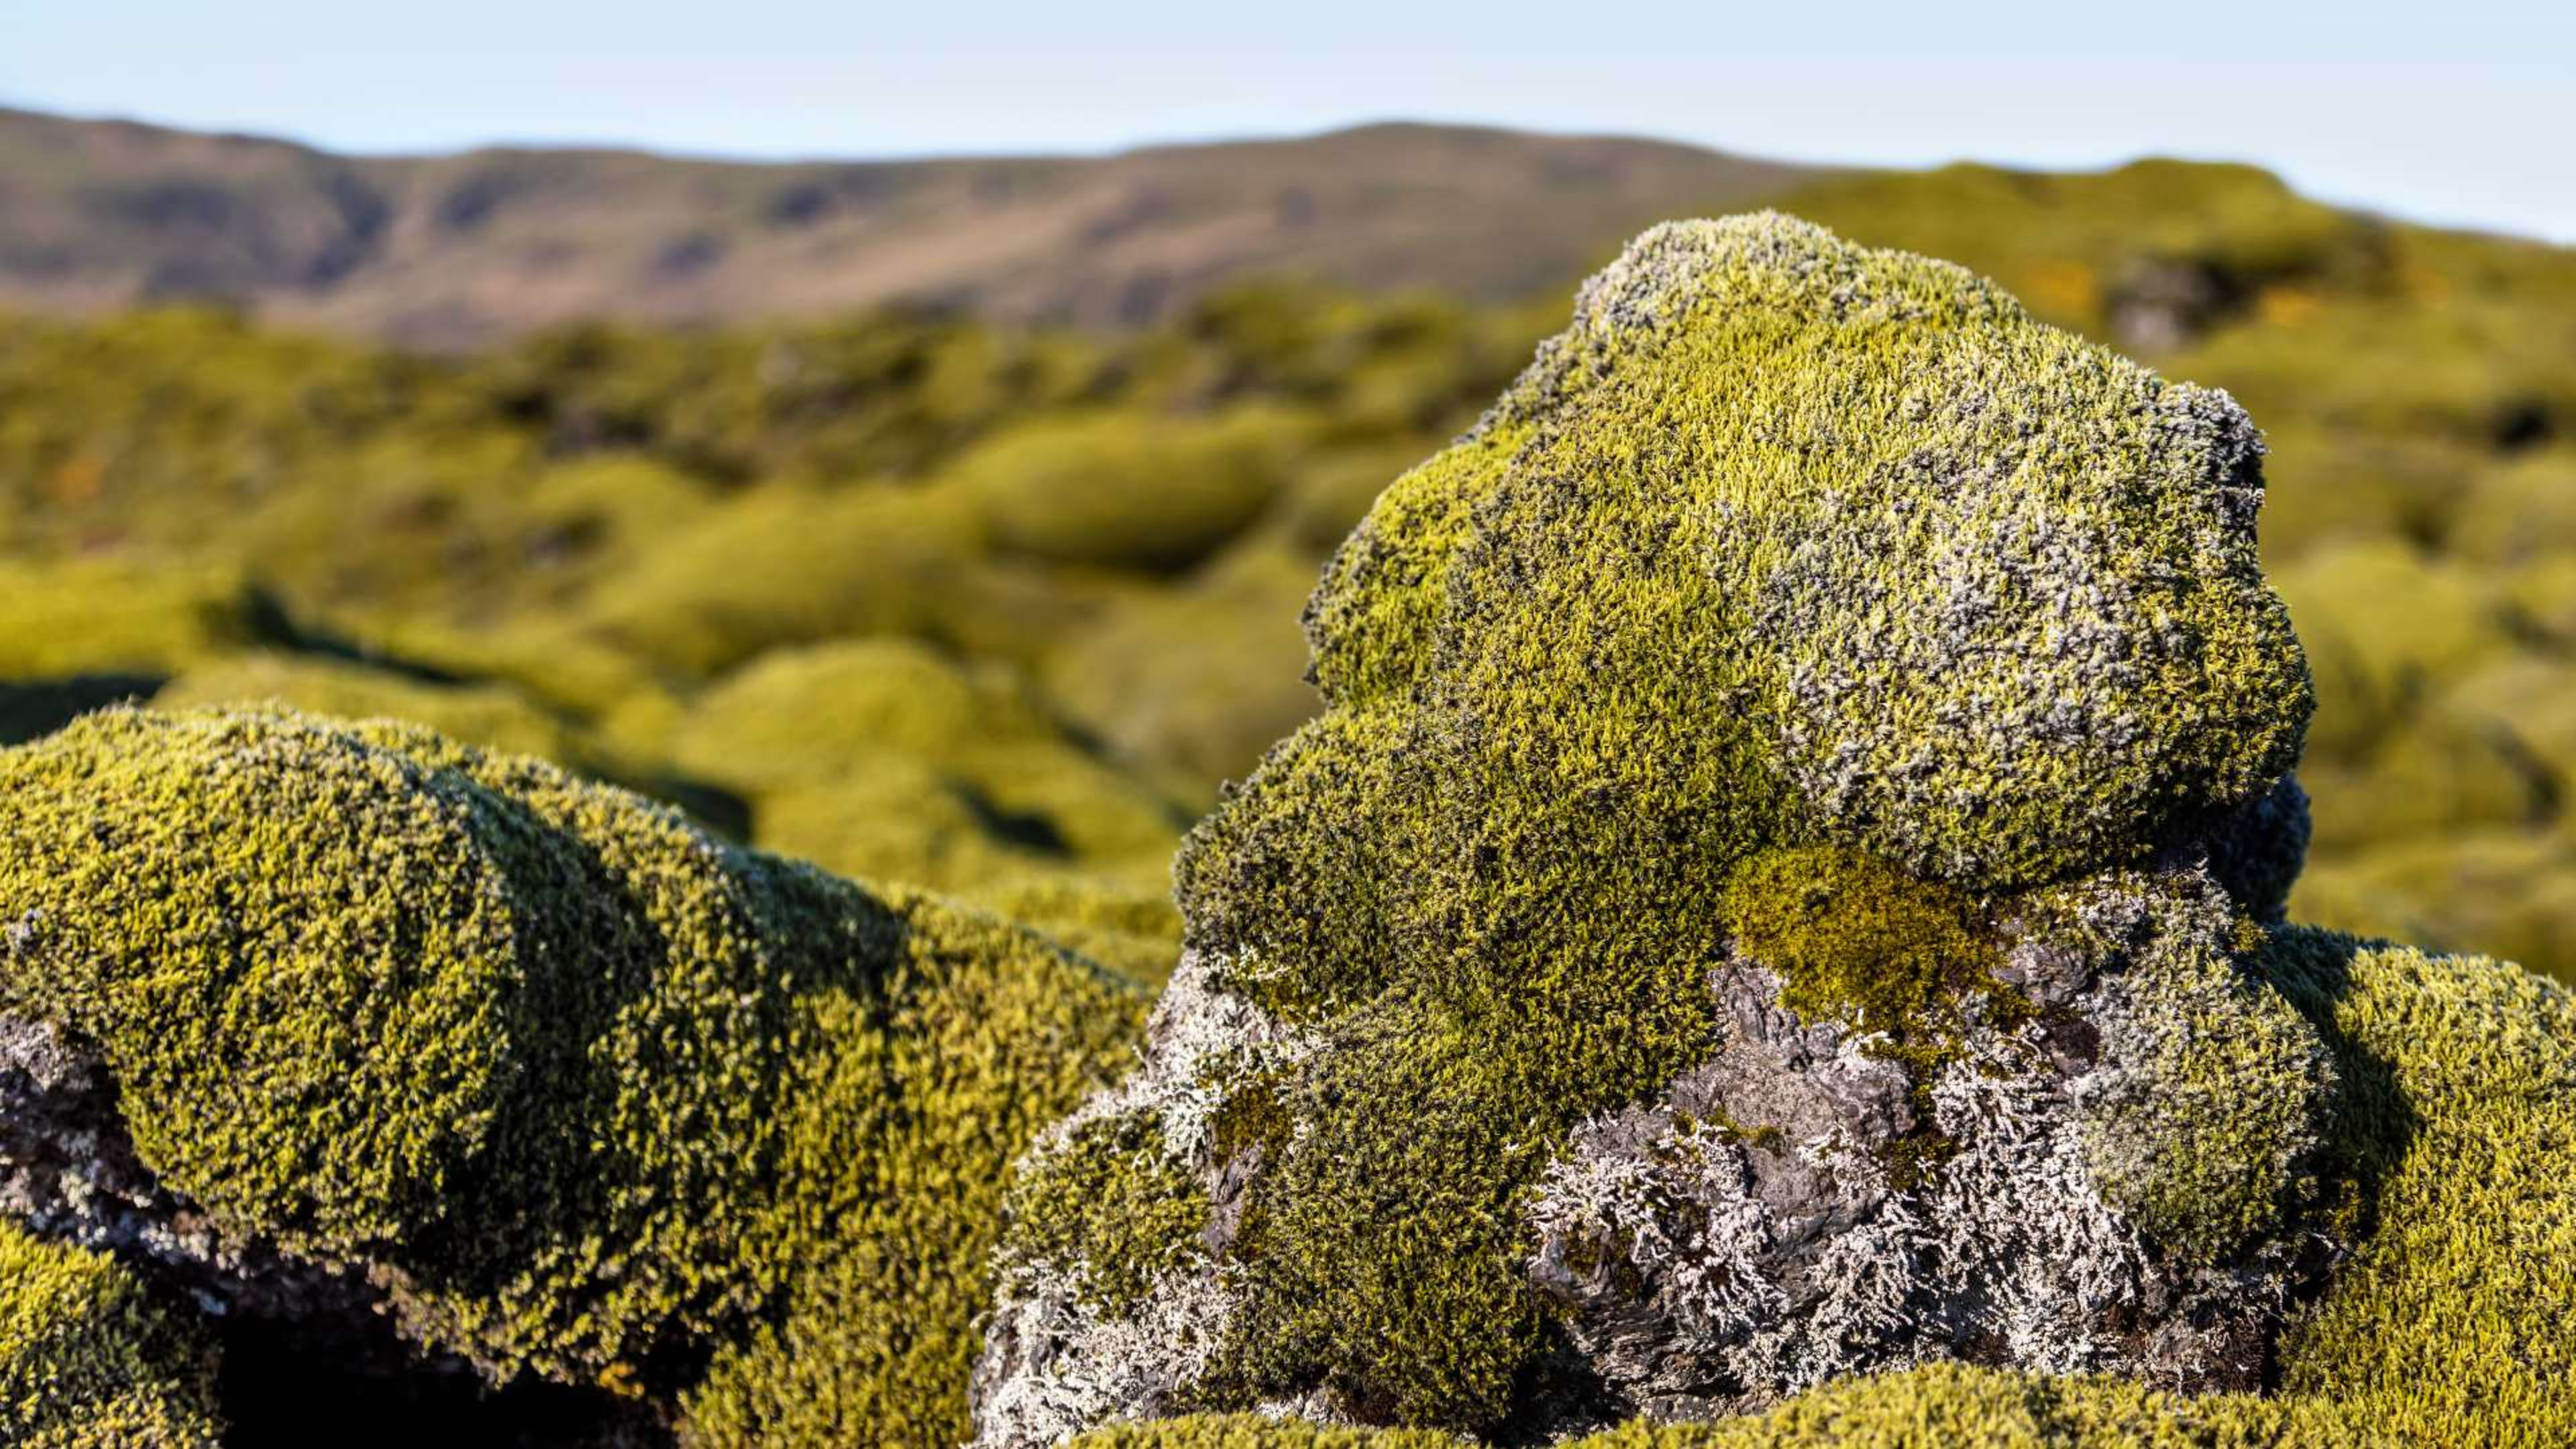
x=90, y=1359
x=582, y=1085
x=2459, y=1117
x=491, y=716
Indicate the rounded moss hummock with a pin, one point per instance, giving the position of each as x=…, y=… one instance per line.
x=1775, y=892
x=572, y=1088
x=883, y=759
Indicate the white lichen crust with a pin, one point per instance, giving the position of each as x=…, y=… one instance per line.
x=1060, y=1358
x=1712, y=1266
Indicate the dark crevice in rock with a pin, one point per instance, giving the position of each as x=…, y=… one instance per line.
x=307, y=1348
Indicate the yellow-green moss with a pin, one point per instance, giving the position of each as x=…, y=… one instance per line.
x=91, y=1360
x=579, y=1083
x=492, y=716
x=1127, y=490
x=1195, y=682
x=1859, y=943
x=1127, y=923
x=2445, y=1326
x=1110, y=1197
x=1941, y=1406
x=2456, y=1124
x=882, y=758
x=115, y=616
x=1251, y=1431
x=1784, y=544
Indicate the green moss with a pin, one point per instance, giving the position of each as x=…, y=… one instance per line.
x=1127, y=923
x=492, y=716
x=1251, y=1118
x=90, y=1360
x=898, y=1139
x=120, y=616
x=1252, y=1431
x=1198, y=680
x=1941, y=1404
x=1111, y=1197
x=1121, y=489
x=2444, y=1327
x=575, y=1081
x=1861, y=944
x=2203, y=1126
x=2512, y=891
x=1384, y=585
x=2382, y=622
x=2087, y=250
x=2457, y=1121
x=884, y=759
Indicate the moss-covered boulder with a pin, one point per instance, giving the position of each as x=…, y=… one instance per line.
x=569, y=1088
x=1775, y=891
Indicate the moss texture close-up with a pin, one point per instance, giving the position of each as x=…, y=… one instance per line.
x=89, y=1359
x=2445, y=1326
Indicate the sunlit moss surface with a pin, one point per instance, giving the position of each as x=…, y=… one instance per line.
x=2444, y=1327
x=1802, y=601
x=576, y=1082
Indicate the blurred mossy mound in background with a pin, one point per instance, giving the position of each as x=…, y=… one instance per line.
x=612, y=521
x=882, y=759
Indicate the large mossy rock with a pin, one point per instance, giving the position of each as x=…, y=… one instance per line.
x=565, y=1086
x=1777, y=891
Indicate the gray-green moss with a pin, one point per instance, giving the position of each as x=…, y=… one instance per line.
x=591, y=1094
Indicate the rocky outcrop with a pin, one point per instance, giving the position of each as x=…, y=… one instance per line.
x=1775, y=894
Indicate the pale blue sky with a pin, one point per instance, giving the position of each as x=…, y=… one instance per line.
x=2460, y=112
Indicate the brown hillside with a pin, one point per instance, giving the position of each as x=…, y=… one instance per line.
x=455, y=249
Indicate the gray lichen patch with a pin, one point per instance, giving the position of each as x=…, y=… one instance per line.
x=1705, y=1272
x=1114, y=1296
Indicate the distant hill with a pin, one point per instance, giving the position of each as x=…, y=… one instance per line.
x=447, y=250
